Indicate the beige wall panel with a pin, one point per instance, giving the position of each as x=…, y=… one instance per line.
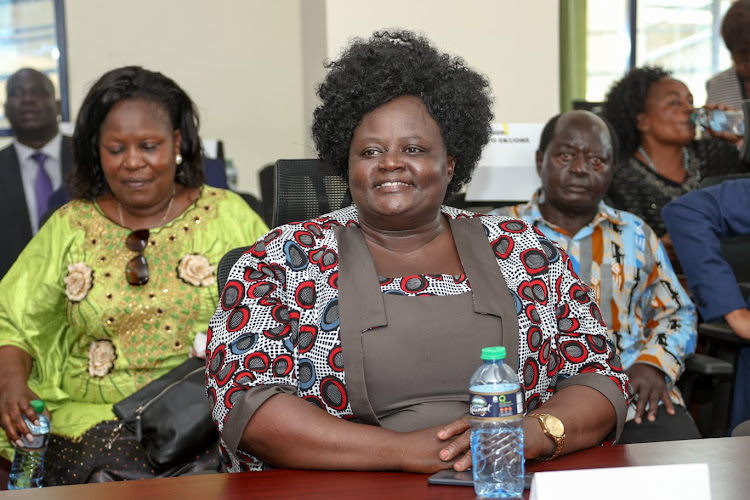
x=514, y=43
x=252, y=65
x=240, y=61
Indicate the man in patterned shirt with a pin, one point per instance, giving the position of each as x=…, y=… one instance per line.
x=649, y=316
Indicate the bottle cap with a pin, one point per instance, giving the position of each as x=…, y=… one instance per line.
x=38, y=405
x=497, y=352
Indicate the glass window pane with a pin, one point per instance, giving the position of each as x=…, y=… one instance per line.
x=678, y=35
x=608, y=45
x=28, y=38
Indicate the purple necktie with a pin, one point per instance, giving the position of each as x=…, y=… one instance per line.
x=42, y=185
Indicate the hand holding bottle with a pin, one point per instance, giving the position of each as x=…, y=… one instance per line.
x=14, y=406
x=27, y=470
x=720, y=121
x=15, y=395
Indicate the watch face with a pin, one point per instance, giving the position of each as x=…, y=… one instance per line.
x=554, y=426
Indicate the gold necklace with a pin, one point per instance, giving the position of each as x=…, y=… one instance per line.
x=163, y=218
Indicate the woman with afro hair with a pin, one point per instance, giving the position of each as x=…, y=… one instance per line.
x=660, y=159
x=377, y=313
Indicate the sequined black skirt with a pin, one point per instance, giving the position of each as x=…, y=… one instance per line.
x=109, y=452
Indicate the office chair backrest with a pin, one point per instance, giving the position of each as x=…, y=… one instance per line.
x=265, y=176
x=305, y=189
x=596, y=107
x=718, y=179
x=225, y=265
x=213, y=148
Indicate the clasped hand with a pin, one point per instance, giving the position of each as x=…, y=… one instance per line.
x=434, y=448
x=455, y=439
x=459, y=449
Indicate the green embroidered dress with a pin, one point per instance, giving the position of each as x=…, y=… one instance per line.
x=105, y=339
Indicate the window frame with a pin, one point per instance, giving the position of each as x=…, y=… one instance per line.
x=633, y=34
x=62, y=64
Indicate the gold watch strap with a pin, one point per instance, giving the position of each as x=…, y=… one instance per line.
x=559, y=440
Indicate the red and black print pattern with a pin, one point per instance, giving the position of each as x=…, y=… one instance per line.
x=278, y=321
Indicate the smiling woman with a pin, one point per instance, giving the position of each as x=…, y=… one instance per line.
x=105, y=292
x=137, y=149
x=377, y=313
x=389, y=138
x=137, y=133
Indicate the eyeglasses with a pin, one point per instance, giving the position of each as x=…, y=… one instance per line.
x=136, y=270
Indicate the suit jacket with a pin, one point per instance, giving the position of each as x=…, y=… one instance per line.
x=13, y=209
x=726, y=87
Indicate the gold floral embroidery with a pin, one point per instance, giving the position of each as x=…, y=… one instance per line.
x=101, y=358
x=196, y=270
x=134, y=320
x=78, y=281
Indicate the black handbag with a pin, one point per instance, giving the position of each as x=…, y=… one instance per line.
x=171, y=416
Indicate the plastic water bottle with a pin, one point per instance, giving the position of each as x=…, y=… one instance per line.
x=496, y=414
x=719, y=120
x=27, y=470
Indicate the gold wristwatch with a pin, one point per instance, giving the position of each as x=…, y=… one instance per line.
x=553, y=428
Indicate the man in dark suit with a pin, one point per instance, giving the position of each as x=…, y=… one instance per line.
x=35, y=164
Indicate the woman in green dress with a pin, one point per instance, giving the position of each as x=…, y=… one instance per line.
x=116, y=287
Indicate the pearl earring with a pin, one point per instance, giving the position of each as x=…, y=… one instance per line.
x=178, y=159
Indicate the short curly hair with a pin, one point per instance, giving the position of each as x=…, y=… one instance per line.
x=625, y=100
x=391, y=64
x=132, y=82
x=735, y=28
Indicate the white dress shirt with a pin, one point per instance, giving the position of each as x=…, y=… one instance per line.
x=29, y=168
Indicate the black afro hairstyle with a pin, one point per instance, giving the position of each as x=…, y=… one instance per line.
x=625, y=100
x=391, y=64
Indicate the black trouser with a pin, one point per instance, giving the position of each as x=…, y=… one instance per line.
x=666, y=427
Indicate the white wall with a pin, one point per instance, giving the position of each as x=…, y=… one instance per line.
x=240, y=61
x=513, y=43
x=251, y=65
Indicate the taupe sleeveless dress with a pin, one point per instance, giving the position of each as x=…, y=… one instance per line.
x=408, y=360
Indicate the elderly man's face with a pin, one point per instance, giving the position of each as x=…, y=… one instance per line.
x=576, y=169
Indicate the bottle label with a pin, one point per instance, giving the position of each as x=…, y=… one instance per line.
x=37, y=441
x=39, y=434
x=496, y=405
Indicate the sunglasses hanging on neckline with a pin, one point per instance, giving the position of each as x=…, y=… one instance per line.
x=136, y=270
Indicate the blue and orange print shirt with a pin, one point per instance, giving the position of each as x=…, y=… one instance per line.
x=648, y=314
